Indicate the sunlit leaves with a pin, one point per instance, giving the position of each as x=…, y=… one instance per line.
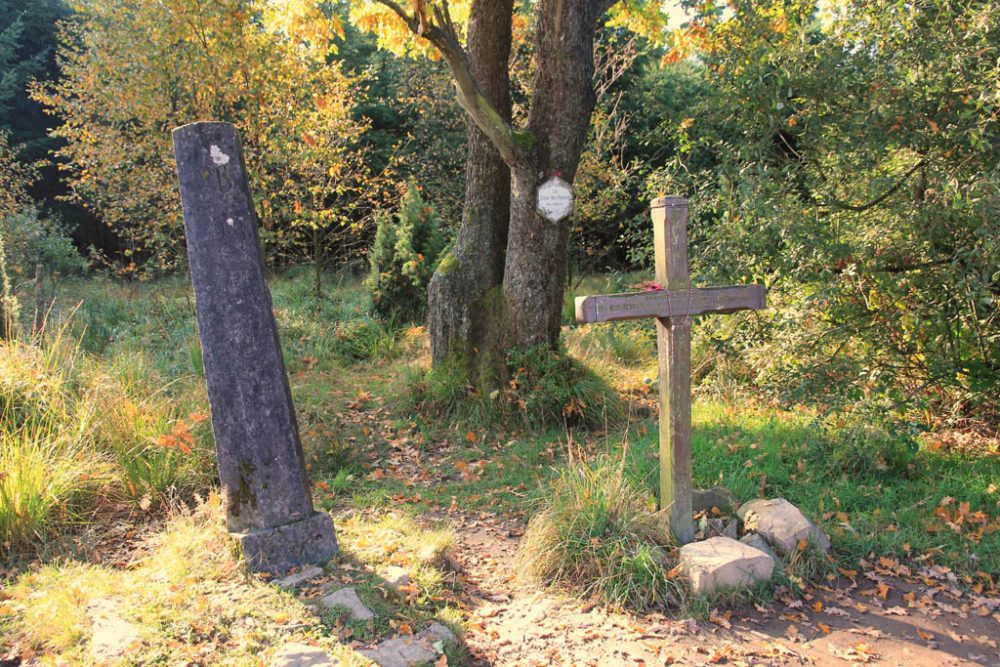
x=394, y=35
x=305, y=22
x=15, y=177
x=133, y=70
x=642, y=17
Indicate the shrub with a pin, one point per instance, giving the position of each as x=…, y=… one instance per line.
x=30, y=239
x=543, y=387
x=406, y=250
x=596, y=536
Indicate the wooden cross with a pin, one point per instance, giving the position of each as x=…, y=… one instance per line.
x=673, y=306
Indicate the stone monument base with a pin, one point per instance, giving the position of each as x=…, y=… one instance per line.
x=277, y=550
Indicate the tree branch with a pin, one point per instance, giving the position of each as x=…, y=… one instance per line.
x=442, y=34
x=859, y=208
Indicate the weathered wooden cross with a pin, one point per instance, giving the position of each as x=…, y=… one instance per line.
x=673, y=308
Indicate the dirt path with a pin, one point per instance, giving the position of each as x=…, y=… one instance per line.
x=888, y=614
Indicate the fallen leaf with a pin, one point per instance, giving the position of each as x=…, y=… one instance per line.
x=722, y=620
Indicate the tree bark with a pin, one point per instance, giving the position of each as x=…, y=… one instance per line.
x=458, y=296
x=564, y=98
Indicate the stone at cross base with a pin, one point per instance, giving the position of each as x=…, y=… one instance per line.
x=673, y=306
x=261, y=463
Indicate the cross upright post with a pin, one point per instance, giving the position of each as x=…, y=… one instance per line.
x=673, y=303
x=673, y=335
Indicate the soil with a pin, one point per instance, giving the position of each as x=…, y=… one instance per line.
x=888, y=614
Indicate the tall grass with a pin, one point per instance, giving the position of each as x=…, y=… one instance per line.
x=596, y=535
x=78, y=432
x=47, y=479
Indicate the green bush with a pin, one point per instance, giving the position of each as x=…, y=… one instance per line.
x=406, y=250
x=543, y=388
x=30, y=239
x=597, y=536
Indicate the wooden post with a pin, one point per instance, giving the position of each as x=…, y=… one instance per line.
x=670, y=216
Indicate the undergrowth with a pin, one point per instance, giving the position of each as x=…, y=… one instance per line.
x=597, y=535
x=79, y=432
x=542, y=388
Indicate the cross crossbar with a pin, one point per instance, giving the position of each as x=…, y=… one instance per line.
x=670, y=303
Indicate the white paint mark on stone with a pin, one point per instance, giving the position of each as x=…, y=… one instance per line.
x=218, y=157
x=229, y=221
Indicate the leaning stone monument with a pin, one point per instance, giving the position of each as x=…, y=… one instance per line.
x=261, y=464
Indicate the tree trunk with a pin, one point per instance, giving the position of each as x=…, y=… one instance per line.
x=564, y=98
x=8, y=303
x=459, y=292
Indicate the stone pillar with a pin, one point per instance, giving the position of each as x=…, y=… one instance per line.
x=261, y=464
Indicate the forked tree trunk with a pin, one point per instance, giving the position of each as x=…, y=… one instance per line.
x=564, y=98
x=460, y=290
x=535, y=265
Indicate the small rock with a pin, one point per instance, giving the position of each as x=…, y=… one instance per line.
x=716, y=527
x=401, y=652
x=758, y=542
x=111, y=635
x=293, y=580
x=703, y=500
x=405, y=651
x=397, y=577
x=437, y=632
x=347, y=598
x=722, y=562
x=781, y=524
x=301, y=655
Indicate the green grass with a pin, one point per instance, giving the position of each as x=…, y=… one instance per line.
x=81, y=432
x=758, y=451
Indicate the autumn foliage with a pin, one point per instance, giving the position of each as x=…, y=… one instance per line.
x=134, y=70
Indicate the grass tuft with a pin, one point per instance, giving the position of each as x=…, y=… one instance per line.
x=543, y=388
x=596, y=536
